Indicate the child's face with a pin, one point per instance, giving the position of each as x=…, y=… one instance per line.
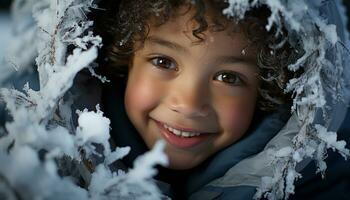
x=204, y=91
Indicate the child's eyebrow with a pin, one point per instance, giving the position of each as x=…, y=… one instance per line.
x=166, y=43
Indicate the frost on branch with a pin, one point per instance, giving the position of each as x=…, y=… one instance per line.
x=41, y=144
x=94, y=129
x=321, y=88
x=22, y=167
x=136, y=184
x=21, y=49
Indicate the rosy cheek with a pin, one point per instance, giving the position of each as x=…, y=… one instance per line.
x=141, y=96
x=236, y=117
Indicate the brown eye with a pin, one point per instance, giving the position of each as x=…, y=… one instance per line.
x=229, y=77
x=164, y=63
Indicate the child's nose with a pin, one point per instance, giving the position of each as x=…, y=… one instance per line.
x=190, y=101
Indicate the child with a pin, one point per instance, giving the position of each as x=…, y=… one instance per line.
x=187, y=74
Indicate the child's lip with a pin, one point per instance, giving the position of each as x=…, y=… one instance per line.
x=181, y=128
x=179, y=141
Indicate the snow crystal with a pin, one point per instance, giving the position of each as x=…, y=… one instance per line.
x=297, y=157
x=93, y=127
x=292, y=175
x=135, y=184
x=330, y=138
x=237, y=8
x=144, y=165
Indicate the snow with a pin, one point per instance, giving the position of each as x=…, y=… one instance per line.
x=47, y=184
x=239, y=6
x=144, y=165
x=297, y=157
x=93, y=127
x=136, y=184
x=330, y=138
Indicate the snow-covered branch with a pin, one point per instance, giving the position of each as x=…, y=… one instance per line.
x=40, y=145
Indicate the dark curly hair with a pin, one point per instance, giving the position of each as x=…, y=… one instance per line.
x=122, y=23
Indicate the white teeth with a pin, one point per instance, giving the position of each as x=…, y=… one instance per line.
x=180, y=133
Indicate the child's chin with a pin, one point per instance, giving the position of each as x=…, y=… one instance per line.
x=182, y=161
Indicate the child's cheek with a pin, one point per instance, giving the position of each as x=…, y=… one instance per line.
x=141, y=97
x=235, y=117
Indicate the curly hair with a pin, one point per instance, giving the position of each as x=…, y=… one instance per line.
x=121, y=25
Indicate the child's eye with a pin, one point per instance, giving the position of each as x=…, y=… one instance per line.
x=164, y=63
x=229, y=77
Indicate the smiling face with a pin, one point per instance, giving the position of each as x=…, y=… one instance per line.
x=198, y=96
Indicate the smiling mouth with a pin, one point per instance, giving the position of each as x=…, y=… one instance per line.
x=181, y=138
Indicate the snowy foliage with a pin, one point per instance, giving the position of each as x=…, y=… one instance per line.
x=20, y=49
x=40, y=145
x=136, y=184
x=316, y=91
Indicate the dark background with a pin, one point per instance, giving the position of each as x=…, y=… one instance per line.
x=4, y=4
x=347, y=4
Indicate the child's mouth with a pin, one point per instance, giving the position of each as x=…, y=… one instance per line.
x=181, y=138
